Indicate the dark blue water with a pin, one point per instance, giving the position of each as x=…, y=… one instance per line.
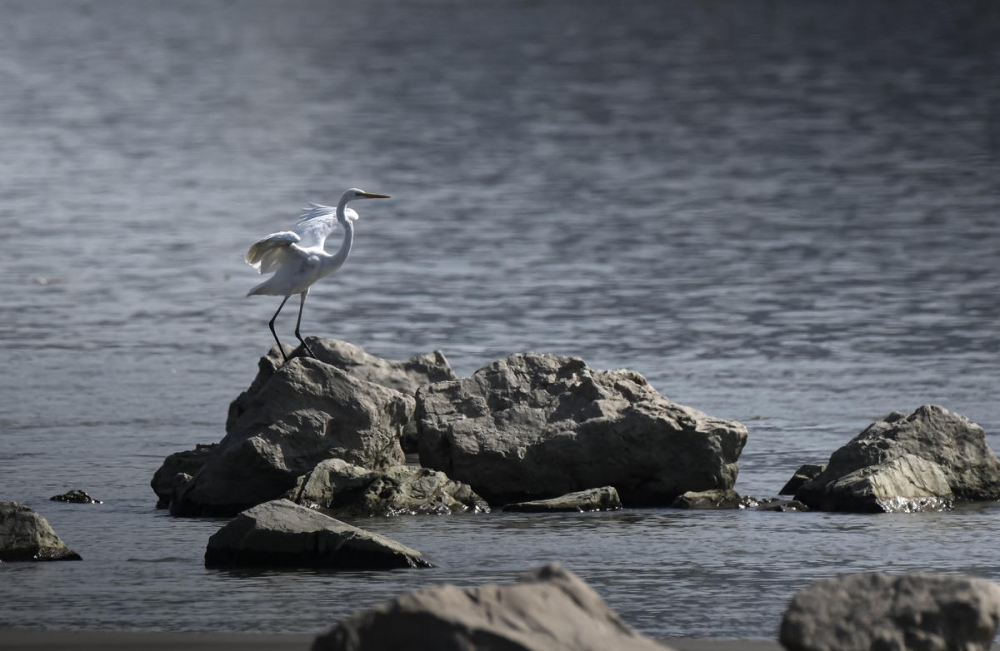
x=782, y=213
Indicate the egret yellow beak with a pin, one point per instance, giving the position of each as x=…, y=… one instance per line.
x=369, y=195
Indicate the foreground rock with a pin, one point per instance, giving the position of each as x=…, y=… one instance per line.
x=551, y=609
x=919, y=612
x=27, y=536
x=284, y=534
x=534, y=426
x=342, y=489
x=594, y=499
x=917, y=462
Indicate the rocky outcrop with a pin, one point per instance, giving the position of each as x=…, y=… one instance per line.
x=342, y=489
x=307, y=411
x=283, y=534
x=534, y=426
x=27, y=536
x=551, y=609
x=920, y=612
x=916, y=462
x=593, y=499
x=75, y=496
x=176, y=472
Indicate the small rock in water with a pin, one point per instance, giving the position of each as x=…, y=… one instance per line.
x=76, y=496
x=594, y=499
x=711, y=499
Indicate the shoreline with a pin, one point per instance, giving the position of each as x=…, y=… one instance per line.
x=25, y=639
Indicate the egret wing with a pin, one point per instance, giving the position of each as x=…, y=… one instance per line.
x=271, y=252
x=315, y=225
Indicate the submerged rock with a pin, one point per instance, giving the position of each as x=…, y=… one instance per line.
x=283, y=534
x=27, y=536
x=534, y=426
x=75, y=496
x=342, y=489
x=920, y=612
x=593, y=499
x=551, y=609
x=916, y=462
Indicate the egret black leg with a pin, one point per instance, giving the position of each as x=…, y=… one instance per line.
x=298, y=323
x=270, y=324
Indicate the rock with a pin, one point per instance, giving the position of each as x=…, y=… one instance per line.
x=75, y=496
x=283, y=534
x=918, y=462
x=593, y=499
x=534, y=426
x=550, y=609
x=342, y=489
x=27, y=536
x=305, y=412
x=713, y=499
x=805, y=472
x=918, y=612
x=177, y=470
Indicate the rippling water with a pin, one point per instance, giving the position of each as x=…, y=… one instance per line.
x=782, y=213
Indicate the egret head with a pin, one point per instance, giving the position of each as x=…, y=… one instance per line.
x=355, y=193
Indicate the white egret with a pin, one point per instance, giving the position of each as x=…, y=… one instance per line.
x=298, y=257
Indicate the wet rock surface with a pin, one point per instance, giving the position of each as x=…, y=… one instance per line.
x=916, y=462
x=281, y=533
x=714, y=499
x=176, y=472
x=551, y=609
x=27, y=536
x=535, y=426
x=919, y=612
x=342, y=489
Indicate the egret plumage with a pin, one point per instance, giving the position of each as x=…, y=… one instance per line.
x=298, y=258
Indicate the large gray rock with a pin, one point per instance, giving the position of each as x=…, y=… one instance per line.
x=534, y=426
x=341, y=489
x=915, y=612
x=305, y=412
x=916, y=462
x=592, y=499
x=27, y=536
x=283, y=534
x=551, y=609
